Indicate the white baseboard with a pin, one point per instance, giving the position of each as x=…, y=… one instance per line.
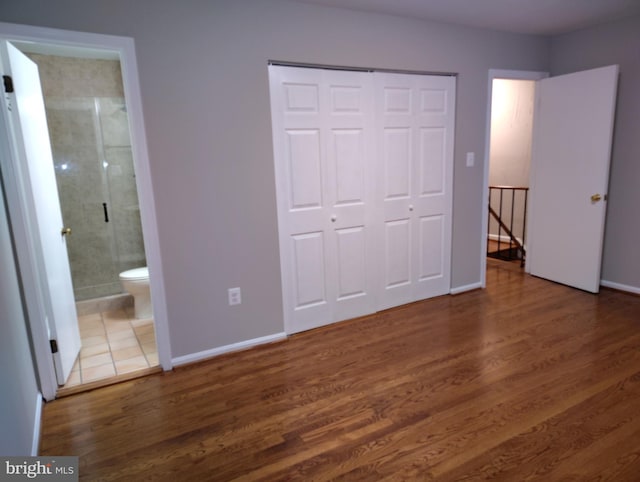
x=502, y=238
x=621, y=287
x=461, y=289
x=203, y=355
x=37, y=423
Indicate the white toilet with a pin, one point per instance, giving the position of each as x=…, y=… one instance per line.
x=136, y=283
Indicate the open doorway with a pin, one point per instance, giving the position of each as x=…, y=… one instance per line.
x=510, y=108
x=569, y=177
x=88, y=127
x=26, y=225
x=512, y=105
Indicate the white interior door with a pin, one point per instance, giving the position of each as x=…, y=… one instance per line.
x=415, y=115
x=36, y=170
x=322, y=125
x=573, y=131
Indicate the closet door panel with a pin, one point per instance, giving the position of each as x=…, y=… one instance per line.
x=397, y=167
x=309, y=270
x=353, y=284
x=323, y=126
x=349, y=168
x=432, y=161
x=396, y=269
x=415, y=121
x=303, y=169
x=298, y=146
x=395, y=137
x=431, y=246
x=434, y=121
x=350, y=180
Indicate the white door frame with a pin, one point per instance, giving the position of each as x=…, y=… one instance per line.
x=495, y=74
x=125, y=48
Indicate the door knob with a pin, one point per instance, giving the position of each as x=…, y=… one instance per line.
x=410, y=207
x=333, y=218
x=595, y=198
x=65, y=231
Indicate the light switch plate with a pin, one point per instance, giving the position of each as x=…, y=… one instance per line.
x=235, y=296
x=471, y=159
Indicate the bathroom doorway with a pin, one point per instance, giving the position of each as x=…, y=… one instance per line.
x=93, y=160
x=36, y=280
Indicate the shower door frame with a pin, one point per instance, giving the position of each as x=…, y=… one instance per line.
x=125, y=49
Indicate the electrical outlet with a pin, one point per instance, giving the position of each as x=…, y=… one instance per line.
x=235, y=296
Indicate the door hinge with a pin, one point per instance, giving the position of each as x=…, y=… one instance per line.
x=54, y=346
x=8, y=84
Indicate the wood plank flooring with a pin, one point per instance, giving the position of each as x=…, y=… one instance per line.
x=526, y=380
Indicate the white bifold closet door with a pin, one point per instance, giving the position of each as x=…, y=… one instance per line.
x=363, y=165
x=414, y=135
x=323, y=132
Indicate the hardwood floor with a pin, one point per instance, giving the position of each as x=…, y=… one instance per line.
x=526, y=380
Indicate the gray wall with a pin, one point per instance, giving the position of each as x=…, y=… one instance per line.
x=19, y=398
x=614, y=43
x=203, y=73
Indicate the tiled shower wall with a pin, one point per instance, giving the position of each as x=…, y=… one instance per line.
x=88, y=126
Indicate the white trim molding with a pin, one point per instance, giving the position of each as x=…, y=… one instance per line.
x=242, y=345
x=620, y=287
x=503, y=238
x=37, y=423
x=462, y=289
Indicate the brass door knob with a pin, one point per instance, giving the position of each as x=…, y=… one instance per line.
x=65, y=231
x=595, y=198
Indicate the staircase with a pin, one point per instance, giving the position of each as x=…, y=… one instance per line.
x=507, y=219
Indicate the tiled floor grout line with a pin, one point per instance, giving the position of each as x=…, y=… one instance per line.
x=138, y=330
x=144, y=353
x=113, y=361
x=80, y=361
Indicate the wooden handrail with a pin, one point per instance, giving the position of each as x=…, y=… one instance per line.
x=515, y=188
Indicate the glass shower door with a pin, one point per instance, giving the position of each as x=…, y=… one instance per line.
x=98, y=197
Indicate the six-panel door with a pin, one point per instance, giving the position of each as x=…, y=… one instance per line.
x=363, y=225
x=323, y=126
x=36, y=168
x=414, y=135
x=570, y=163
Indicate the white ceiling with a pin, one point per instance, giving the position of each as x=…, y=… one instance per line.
x=544, y=17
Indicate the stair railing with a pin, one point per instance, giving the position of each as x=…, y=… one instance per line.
x=515, y=214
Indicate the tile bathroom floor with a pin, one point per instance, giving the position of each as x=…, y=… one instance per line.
x=113, y=343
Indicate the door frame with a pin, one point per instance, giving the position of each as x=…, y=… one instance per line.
x=21, y=218
x=495, y=74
